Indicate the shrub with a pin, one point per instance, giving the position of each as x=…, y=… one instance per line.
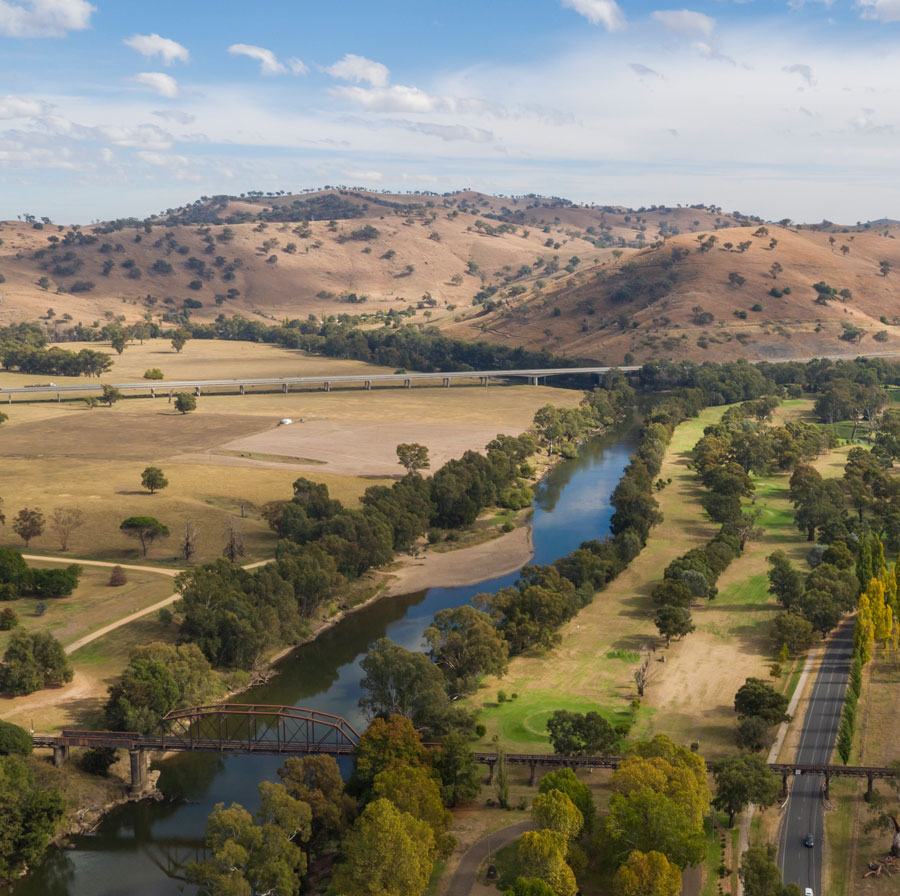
x=14, y=741
x=98, y=761
x=8, y=619
x=117, y=577
x=153, y=373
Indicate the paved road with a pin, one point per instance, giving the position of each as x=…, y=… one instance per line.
x=464, y=876
x=800, y=864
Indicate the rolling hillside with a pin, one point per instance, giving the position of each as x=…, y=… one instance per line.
x=596, y=282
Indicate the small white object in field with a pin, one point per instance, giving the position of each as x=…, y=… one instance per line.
x=285, y=421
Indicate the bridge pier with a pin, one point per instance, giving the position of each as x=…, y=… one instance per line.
x=368, y=385
x=242, y=388
x=533, y=766
x=446, y=382
x=870, y=778
x=484, y=381
x=533, y=380
x=60, y=755
x=170, y=395
x=284, y=388
x=827, y=783
x=197, y=392
x=138, y=769
x=58, y=398
x=408, y=384
x=152, y=392
x=327, y=386
x=491, y=763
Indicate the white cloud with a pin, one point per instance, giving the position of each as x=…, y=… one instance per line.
x=18, y=107
x=358, y=68
x=644, y=71
x=164, y=85
x=390, y=99
x=804, y=71
x=880, y=10
x=686, y=21
x=376, y=176
x=44, y=18
x=150, y=45
x=448, y=132
x=599, y=12
x=268, y=61
x=297, y=66
x=711, y=53
x=175, y=115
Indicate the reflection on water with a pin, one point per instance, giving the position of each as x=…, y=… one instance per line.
x=141, y=849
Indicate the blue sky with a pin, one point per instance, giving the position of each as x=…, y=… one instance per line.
x=783, y=109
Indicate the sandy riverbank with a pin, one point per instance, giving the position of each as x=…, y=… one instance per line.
x=466, y=566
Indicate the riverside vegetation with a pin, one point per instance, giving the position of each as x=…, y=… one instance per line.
x=342, y=544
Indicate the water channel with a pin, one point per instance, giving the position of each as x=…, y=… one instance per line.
x=139, y=849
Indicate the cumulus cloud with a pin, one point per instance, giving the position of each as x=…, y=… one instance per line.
x=150, y=45
x=44, y=18
x=804, y=71
x=390, y=99
x=644, y=71
x=686, y=21
x=164, y=85
x=297, y=66
x=268, y=61
x=880, y=10
x=599, y=12
x=359, y=69
x=19, y=107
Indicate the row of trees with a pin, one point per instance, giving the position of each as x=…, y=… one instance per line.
x=17, y=579
x=53, y=361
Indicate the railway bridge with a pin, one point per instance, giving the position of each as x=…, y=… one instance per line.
x=243, y=728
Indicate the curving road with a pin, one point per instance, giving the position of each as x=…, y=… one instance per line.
x=804, y=813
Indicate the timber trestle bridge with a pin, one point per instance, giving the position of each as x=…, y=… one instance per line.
x=242, y=728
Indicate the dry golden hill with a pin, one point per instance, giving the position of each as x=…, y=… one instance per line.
x=598, y=282
x=314, y=253
x=745, y=291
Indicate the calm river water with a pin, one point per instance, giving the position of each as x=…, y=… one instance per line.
x=140, y=848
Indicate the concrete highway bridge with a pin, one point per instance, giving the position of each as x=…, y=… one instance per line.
x=155, y=388
x=290, y=731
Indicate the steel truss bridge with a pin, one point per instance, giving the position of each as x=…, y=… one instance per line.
x=290, y=731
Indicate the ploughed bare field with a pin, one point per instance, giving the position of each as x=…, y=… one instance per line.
x=357, y=448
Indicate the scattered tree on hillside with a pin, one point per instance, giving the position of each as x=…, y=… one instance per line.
x=179, y=339
x=153, y=479
x=736, y=280
x=884, y=267
x=413, y=456
x=775, y=269
x=234, y=542
x=64, y=521
x=185, y=402
x=110, y=395
x=146, y=529
x=188, y=546
x=28, y=524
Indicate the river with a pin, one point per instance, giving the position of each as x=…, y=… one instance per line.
x=140, y=848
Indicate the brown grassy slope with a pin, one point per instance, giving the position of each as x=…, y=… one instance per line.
x=659, y=319
x=322, y=263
